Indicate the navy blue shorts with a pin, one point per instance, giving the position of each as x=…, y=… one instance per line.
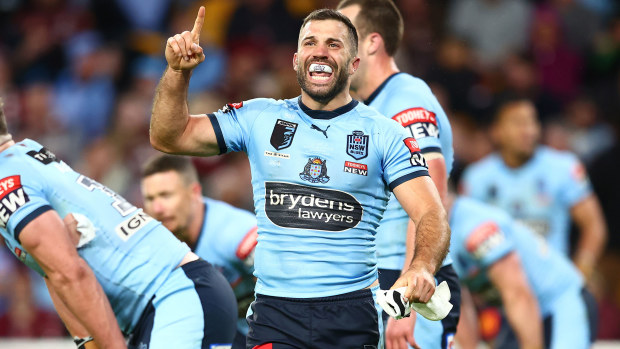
x=432, y=334
x=195, y=309
x=350, y=320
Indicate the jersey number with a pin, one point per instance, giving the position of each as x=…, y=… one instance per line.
x=120, y=204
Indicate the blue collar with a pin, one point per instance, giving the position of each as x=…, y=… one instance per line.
x=327, y=114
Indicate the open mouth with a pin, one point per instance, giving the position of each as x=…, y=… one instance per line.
x=320, y=72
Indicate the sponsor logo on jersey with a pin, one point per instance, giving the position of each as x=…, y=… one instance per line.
x=483, y=239
x=419, y=121
x=44, y=155
x=355, y=168
x=12, y=197
x=302, y=207
x=282, y=134
x=357, y=145
x=230, y=106
x=133, y=224
x=315, y=171
x=417, y=159
x=20, y=254
x=277, y=155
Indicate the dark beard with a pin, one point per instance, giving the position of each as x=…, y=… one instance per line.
x=323, y=97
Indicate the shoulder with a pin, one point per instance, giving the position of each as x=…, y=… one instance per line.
x=225, y=208
x=484, y=165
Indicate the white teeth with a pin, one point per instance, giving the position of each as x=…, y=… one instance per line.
x=320, y=68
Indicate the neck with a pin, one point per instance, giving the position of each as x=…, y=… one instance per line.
x=5, y=142
x=379, y=69
x=340, y=100
x=514, y=160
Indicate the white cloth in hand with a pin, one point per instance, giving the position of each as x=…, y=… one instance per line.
x=395, y=305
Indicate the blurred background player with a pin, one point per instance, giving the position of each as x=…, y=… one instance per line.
x=409, y=101
x=161, y=293
x=541, y=293
x=539, y=186
x=221, y=234
x=322, y=166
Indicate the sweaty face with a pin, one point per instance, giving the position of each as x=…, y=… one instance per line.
x=322, y=59
x=168, y=199
x=518, y=129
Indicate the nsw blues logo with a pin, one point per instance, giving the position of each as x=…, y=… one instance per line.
x=357, y=145
x=315, y=171
x=282, y=134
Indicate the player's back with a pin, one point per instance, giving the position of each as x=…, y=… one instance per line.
x=130, y=253
x=482, y=235
x=539, y=193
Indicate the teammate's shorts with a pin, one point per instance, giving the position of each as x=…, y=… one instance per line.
x=350, y=320
x=432, y=334
x=572, y=323
x=195, y=308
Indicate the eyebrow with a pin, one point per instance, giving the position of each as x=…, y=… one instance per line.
x=312, y=37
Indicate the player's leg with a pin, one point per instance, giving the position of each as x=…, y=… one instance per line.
x=195, y=308
x=570, y=325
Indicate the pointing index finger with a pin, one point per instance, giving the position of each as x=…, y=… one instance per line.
x=198, y=24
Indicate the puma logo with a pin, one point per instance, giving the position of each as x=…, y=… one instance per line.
x=315, y=127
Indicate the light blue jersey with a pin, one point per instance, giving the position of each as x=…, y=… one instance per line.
x=482, y=235
x=33, y=181
x=321, y=181
x=539, y=194
x=410, y=102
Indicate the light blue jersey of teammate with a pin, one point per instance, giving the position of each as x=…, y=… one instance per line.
x=482, y=235
x=321, y=181
x=409, y=101
x=539, y=194
x=33, y=181
x=229, y=247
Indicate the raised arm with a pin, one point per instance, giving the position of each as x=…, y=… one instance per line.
x=421, y=201
x=518, y=300
x=173, y=129
x=71, y=279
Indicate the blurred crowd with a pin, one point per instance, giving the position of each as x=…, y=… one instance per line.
x=79, y=77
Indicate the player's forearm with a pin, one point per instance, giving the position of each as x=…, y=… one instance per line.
x=524, y=317
x=432, y=239
x=170, y=114
x=73, y=325
x=78, y=289
x=590, y=247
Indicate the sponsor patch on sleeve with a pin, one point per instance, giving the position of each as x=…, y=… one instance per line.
x=230, y=106
x=483, y=239
x=420, y=122
x=246, y=246
x=578, y=172
x=417, y=159
x=12, y=197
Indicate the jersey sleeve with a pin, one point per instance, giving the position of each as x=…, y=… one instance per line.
x=419, y=113
x=402, y=159
x=22, y=197
x=486, y=244
x=233, y=123
x=576, y=185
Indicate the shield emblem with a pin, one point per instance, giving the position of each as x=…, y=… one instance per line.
x=282, y=134
x=357, y=145
x=315, y=170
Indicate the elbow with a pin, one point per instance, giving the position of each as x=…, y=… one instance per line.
x=70, y=274
x=158, y=144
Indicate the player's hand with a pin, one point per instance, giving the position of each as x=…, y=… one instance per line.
x=419, y=281
x=399, y=333
x=183, y=51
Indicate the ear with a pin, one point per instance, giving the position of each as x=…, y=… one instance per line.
x=373, y=41
x=295, y=61
x=354, y=65
x=196, y=189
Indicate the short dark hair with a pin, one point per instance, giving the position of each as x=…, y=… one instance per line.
x=506, y=102
x=164, y=163
x=4, y=128
x=326, y=14
x=379, y=16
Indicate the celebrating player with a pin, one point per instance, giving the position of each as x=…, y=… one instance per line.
x=111, y=269
x=217, y=232
x=410, y=102
x=322, y=165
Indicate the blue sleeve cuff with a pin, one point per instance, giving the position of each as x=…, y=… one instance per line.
x=218, y=133
x=398, y=181
x=431, y=150
x=29, y=218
